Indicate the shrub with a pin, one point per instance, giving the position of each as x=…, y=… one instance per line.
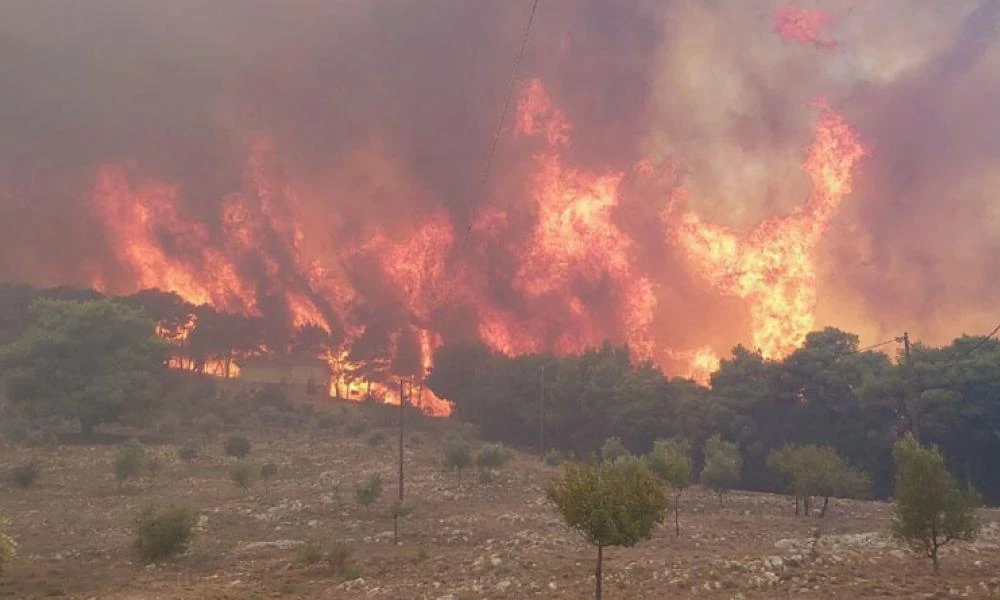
x=492, y=456
x=371, y=491
x=237, y=445
x=165, y=532
x=613, y=449
x=25, y=475
x=336, y=555
x=8, y=547
x=311, y=552
x=351, y=572
x=268, y=471
x=129, y=462
x=377, y=438
x=242, y=475
x=457, y=455
x=189, y=453
x=153, y=466
x=554, y=458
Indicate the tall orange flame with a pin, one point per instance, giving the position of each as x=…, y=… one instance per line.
x=771, y=268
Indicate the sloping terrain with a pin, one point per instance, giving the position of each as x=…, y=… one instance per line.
x=464, y=539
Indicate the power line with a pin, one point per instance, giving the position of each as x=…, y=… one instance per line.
x=979, y=345
x=503, y=113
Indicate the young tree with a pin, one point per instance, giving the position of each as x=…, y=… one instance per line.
x=95, y=362
x=812, y=470
x=671, y=461
x=613, y=449
x=930, y=509
x=723, y=466
x=611, y=504
x=8, y=547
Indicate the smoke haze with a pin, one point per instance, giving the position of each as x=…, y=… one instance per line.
x=317, y=161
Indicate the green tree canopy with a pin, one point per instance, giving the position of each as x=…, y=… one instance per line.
x=611, y=503
x=723, y=466
x=812, y=470
x=930, y=509
x=671, y=461
x=95, y=362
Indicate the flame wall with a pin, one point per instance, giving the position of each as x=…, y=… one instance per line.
x=670, y=178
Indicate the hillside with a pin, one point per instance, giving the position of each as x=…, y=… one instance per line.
x=464, y=539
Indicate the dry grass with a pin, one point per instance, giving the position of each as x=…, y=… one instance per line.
x=498, y=540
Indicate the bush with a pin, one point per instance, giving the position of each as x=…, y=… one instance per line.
x=8, y=547
x=336, y=555
x=371, y=491
x=377, y=438
x=613, y=449
x=457, y=455
x=153, y=466
x=492, y=456
x=554, y=458
x=129, y=462
x=268, y=471
x=166, y=532
x=311, y=552
x=189, y=453
x=242, y=475
x=25, y=475
x=237, y=445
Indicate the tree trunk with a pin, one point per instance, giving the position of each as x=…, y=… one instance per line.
x=87, y=427
x=796, y=505
x=805, y=503
x=598, y=574
x=395, y=529
x=720, y=500
x=677, y=522
x=826, y=502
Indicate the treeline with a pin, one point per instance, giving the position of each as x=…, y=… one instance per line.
x=827, y=393
x=208, y=340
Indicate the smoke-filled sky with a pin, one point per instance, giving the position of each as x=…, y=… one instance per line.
x=378, y=115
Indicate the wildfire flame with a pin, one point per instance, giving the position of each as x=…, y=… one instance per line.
x=771, y=268
x=573, y=276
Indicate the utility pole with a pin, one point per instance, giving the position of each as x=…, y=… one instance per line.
x=909, y=403
x=402, y=403
x=541, y=417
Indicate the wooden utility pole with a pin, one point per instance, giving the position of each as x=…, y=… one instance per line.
x=402, y=403
x=541, y=417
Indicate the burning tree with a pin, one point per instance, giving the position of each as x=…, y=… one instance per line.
x=94, y=362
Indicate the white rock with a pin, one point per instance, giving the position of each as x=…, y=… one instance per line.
x=503, y=585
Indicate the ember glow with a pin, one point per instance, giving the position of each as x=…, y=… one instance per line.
x=804, y=26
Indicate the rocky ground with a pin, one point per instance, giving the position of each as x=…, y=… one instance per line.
x=464, y=539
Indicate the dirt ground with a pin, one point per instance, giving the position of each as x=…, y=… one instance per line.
x=464, y=539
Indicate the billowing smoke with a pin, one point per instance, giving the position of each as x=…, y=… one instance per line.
x=320, y=162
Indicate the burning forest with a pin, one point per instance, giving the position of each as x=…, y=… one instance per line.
x=310, y=181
